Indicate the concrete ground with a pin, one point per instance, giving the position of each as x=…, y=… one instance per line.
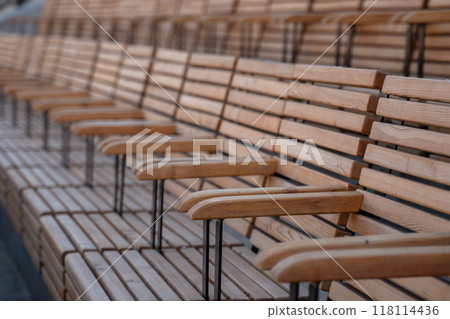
x=12, y=285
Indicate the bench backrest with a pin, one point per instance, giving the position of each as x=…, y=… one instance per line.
x=51, y=57
x=193, y=7
x=221, y=7
x=394, y=5
x=252, y=7
x=334, y=109
x=204, y=92
x=76, y=63
x=407, y=187
x=255, y=85
x=34, y=63
x=437, y=51
x=381, y=46
x=106, y=71
x=438, y=4
x=284, y=6
x=15, y=51
x=132, y=76
x=348, y=96
x=164, y=86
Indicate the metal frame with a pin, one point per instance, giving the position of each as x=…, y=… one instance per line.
x=218, y=261
x=28, y=118
x=90, y=155
x=65, y=146
x=119, y=185
x=2, y=103
x=421, y=34
x=409, y=50
x=45, y=124
x=160, y=215
x=14, y=110
x=419, y=38
x=294, y=290
x=205, y=261
x=218, y=258
x=351, y=41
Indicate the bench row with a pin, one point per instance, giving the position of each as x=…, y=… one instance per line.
x=411, y=41
x=349, y=97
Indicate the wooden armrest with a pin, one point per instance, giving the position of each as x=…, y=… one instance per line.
x=46, y=105
x=217, y=19
x=190, y=200
x=375, y=263
x=26, y=86
x=304, y=18
x=370, y=18
x=178, y=144
x=256, y=19
x=60, y=92
x=273, y=255
x=208, y=168
x=277, y=205
x=427, y=17
x=121, y=127
x=68, y=115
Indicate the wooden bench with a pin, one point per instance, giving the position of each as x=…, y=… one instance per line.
x=405, y=190
x=245, y=101
x=252, y=29
x=253, y=80
x=73, y=240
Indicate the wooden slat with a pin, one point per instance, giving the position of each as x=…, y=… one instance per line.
x=426, y=89
x=433, y=142
x=427, y=114
x=426, y=168
x=419, y=193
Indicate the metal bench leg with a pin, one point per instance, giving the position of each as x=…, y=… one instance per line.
x=90, y=153
x=14, y=111
x=294, y=289
x=28, y=116
x=154, y=212
x=313, y=291
x=218, y=261
x=116, y=184
x=122, y=183
x=205, y=277
x=160, y=215
x=65, y=147
x=45, y=124
x=2, y=103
